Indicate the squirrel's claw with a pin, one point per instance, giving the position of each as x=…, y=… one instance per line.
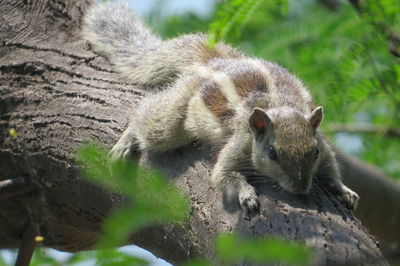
x=349, y=198
x=248, y=200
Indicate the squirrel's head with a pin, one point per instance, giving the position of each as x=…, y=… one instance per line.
x=286, y=146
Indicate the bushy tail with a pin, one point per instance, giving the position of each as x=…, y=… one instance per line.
x=117, y=33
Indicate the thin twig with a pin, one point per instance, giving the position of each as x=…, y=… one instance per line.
x=27, y=245
x=9, y=183
x=364, y=128
x=15, y=186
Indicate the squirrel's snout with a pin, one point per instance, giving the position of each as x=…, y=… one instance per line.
x=302, y=185
x=300, y=190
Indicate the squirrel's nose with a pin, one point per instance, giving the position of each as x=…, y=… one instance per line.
x=302, y=184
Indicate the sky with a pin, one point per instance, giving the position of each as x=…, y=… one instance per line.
x=169, y=7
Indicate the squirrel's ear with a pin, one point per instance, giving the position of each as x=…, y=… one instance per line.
x=316, y=117
x=259, y=121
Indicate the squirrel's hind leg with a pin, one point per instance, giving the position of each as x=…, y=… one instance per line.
x=158, y=122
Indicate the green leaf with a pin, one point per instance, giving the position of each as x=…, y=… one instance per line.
x=284, y=5
x=153, y=199
x=232, y=249
x=232, y=14
x=42, y=258
x=81, y=256
x=114, y=257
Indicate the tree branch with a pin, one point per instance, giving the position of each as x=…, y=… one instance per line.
x=27, y=245
x=56, y=101
x=364, y=128
x=379, y=206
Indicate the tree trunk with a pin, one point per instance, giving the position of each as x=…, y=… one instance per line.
x=58, y=94
x=379, y=206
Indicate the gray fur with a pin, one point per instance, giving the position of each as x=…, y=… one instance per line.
x=136, y=52
x=245, y=114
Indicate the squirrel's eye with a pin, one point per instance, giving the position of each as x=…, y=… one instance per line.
x=316, y=154
x=272, y=153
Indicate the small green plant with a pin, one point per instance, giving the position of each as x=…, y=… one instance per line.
x=233, y=15
x=153, y=201
x=231, y=249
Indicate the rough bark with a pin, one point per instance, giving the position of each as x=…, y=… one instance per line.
x=379, y=207
x=58, y=94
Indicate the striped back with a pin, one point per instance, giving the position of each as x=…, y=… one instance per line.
x=254, y=82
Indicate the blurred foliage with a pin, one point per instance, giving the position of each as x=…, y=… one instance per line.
x=231, y=249
x=153, y=201
x=231, y=15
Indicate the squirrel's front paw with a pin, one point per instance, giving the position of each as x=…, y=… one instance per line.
x=248, y=200
x=120, y=152
x=349, y=198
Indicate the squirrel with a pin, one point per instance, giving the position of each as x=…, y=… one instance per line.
x=258, y=114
